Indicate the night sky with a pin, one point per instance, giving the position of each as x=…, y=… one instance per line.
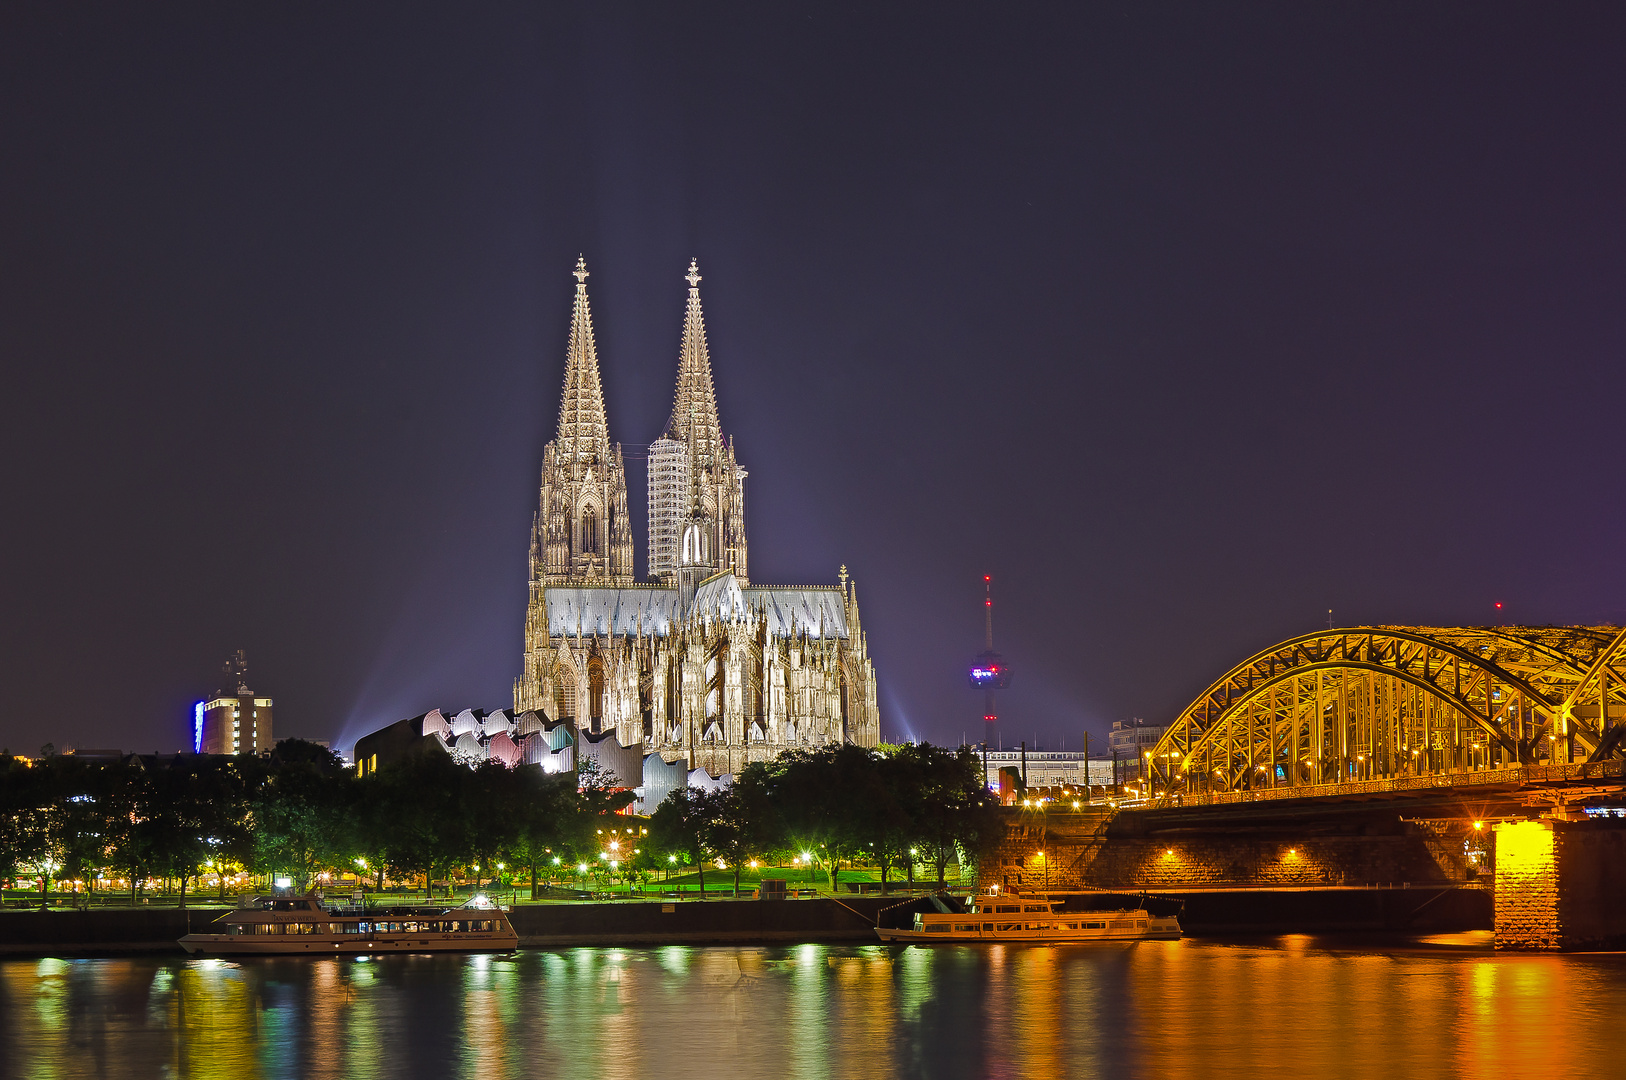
x=1186, y=324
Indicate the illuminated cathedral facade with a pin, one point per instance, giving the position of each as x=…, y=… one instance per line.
x=696, y=663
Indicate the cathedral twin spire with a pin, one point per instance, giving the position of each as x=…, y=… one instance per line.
x=582, y=533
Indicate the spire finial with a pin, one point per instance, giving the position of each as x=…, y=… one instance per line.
x=693, y=276
x=581, y=272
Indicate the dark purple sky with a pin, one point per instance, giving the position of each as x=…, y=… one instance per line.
x=1187, y=324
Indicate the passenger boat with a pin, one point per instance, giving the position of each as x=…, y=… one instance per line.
x=301, y=924
x=1032, y=918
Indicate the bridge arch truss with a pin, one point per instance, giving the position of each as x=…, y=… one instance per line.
x=1391, y=703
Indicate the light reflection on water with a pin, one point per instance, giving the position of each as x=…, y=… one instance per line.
x=1442, y=1006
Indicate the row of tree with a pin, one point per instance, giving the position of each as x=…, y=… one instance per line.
x=892, y=808
x=300, y=812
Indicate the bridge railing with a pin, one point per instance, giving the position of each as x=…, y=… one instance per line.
x=1529, y=774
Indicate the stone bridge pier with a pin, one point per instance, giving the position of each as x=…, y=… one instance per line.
x=1561, y=884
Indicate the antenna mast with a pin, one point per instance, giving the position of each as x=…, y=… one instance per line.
x=989, y=672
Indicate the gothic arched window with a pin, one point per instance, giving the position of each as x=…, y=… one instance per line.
x=595, y=691
x=589, y=531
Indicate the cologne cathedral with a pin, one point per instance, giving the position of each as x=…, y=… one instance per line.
x=696, y=664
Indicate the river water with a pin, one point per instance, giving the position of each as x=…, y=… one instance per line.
x=1305, y=1006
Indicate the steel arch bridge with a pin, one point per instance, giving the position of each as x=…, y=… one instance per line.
x=1382, y=707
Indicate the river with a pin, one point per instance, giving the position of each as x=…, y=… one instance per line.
x=1306, y=1006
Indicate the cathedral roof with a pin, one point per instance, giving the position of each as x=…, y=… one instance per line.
x=718, y=597
x=584, y=433
x=790, y=610
x=618, y=612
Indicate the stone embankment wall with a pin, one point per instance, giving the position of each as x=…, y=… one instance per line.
x=635, y=922
x=1559, y=883
x=1096, y=850
x=101, y=930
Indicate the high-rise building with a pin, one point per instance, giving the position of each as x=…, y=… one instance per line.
x=235, y=721
x=696, y=664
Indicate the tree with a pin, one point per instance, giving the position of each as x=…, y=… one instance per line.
x=725, y=827
x=423, y=803
x=540, y=821
x=24, y=817
x=679, y=824
x=892, y=788
x=302, y=811
x=822, y=800
x=496, y=798
x=955, y=810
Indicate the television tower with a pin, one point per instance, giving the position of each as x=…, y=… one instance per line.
x=989, y=672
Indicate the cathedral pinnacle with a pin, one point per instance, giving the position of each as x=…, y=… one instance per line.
x=581, y=273
x=693, y=276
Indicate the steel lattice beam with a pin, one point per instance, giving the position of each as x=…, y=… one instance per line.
x=1382, y=702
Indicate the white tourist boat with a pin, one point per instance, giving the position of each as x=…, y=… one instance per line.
x=302, y=925
x=1033, y=918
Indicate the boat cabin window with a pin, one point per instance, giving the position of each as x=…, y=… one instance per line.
x=1094, y=925
x=1007, y=910
x=965, y=928
x=1036, y=907
x=1006, y=927
x=937, y=928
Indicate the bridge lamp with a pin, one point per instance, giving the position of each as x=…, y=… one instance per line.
x=1479, y=824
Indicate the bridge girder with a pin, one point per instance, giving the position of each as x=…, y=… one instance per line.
x=1382, y=702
